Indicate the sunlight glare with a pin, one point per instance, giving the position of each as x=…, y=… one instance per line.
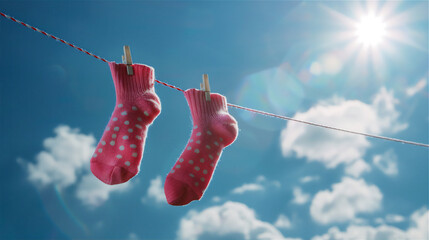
x=370, y=30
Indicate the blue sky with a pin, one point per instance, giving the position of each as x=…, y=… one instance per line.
x=357, y=65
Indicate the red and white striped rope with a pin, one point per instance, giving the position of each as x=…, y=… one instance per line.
x=169, y=85
x=229, y=104
x=51, y=36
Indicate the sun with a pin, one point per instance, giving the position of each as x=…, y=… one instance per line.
x=371, y=33
x=370, y=30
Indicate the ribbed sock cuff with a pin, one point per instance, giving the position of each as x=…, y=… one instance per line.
x=130, y=86
x=200, y=108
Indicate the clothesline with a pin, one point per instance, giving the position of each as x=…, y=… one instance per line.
x=229, y=104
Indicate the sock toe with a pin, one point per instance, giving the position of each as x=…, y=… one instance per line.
x=120, y=175
x=101, y=171
x=178, y=193
x=110, y=174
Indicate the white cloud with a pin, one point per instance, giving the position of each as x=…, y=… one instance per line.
x=308, y=179
x=356, y=168
x=384, y=105
x=347, y=199
x=232, y=220
x=394, y=218
x=379, y=221
x=390, y=218
x=333, y=148
x=353, y=232
x=261, y=178
x=260, y=184
x=421, y=84
x=247, y=187
x=155, y=192
x=133, y=236
x=93, y=193
x=417, y=231
x=419, y=224
x=300, y=197
x=216, y=199
x=283, y=222
x=386, y=162
x=64, y=157
x=64, y=162
x=359, y=221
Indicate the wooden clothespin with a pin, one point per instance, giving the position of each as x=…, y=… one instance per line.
x=205, y=86
x=126, y=58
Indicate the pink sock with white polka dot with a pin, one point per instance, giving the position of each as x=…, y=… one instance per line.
x=213, y=130
x=119, y=152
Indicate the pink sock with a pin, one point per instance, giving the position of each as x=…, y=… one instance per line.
x=119, y=152
x=213, y=130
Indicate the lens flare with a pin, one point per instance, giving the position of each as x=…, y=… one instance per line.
x=60, y=212
x=275, y=90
